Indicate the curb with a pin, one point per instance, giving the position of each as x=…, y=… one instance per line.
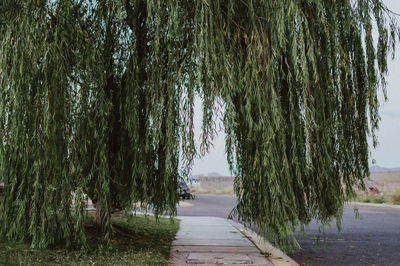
x=384, y=205
x=275, y=255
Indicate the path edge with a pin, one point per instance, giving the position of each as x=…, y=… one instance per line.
x=275, y=255
x=382, y=205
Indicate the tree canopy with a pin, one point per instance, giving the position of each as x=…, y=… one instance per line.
x=96, y=98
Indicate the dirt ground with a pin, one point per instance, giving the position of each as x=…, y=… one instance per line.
x=387, y=183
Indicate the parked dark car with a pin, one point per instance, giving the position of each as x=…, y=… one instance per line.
x=184, y=190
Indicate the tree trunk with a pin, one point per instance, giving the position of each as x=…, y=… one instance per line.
x=97, y=216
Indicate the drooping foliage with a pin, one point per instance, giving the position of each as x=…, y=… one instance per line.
x=299, y=80
x=96, y=98
x=92, y=98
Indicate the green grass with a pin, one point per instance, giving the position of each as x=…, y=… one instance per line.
x=370, y=198
x=137, y=240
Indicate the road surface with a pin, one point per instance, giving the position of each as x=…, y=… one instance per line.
x=372, y=240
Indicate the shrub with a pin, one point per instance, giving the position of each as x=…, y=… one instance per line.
x=370, y=199
x=396, y=197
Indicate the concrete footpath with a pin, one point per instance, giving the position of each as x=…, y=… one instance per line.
x=212, y=240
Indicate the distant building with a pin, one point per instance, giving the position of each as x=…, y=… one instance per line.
x=213, y=174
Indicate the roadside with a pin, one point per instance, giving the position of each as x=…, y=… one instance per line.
x=388, y=198
x=381, y=187
x=373, y=238
x=275, y=255
x=355, y=204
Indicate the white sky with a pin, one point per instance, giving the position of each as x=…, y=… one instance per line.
x=387, y=154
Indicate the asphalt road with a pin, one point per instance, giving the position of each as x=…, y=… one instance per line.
x=372, y=240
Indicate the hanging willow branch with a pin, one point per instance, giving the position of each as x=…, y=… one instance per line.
x=96, y=99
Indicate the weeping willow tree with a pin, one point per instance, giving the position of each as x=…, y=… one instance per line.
x=96, y=98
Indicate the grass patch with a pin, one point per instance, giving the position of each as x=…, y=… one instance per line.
x=138, y=240
x=370, y=198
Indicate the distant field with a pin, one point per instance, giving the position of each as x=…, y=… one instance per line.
x=213, y=185
x=388, y=183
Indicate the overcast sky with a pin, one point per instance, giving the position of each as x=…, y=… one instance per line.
x=387, y=154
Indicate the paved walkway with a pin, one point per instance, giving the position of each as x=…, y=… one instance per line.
x=212, y=240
